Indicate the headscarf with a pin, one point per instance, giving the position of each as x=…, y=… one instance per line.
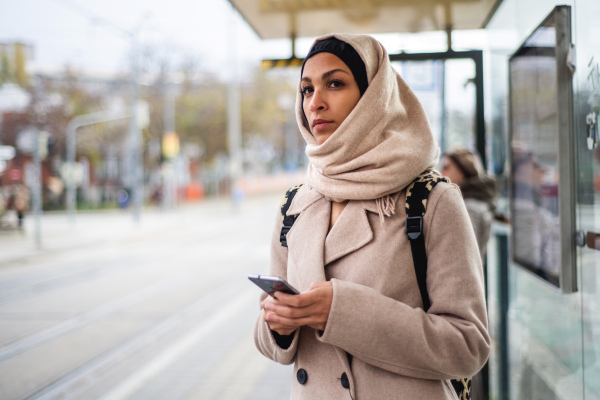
x=382, y=145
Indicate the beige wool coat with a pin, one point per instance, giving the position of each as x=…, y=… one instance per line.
x=399, y=351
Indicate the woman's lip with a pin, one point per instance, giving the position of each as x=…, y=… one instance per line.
x=321, y=125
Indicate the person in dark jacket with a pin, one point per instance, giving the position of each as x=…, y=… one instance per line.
x=464, y=168
x=479, y=192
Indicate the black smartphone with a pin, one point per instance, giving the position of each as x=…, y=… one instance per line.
x=272, y=284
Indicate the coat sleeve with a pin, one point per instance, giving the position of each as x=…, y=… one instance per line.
x=263, y=336
x=450, y=340
x=481, y=220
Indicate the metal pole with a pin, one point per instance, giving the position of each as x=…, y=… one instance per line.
x=37, y=192
x=74, y=124
x=134, y=135
x=234, y=131
x=479, y=105
x=71, y=144
x=444, y=118
x=169, y=188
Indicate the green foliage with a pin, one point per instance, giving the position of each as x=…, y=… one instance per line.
x=5, y=69
x=20, y=71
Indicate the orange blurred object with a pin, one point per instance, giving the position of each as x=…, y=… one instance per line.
x=194, y=191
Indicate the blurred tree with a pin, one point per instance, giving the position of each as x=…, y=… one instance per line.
x=201, y=101
x=5, y=69
x=20, y=66
x=200, y=98
x=55, y=100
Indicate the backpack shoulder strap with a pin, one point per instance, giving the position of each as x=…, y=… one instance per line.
x=417, y=194
x=288, y=220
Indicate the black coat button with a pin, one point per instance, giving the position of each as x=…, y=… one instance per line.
x=345, y=381
x=302, y=376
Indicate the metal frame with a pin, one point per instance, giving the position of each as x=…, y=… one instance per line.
x=477, y=57
x=566, y=155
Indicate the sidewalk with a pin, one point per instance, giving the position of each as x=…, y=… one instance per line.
x=59, y=232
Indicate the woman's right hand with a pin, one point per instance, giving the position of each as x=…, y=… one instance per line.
x=276, y=326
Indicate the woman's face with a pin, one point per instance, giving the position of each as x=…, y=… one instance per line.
x=451, y=171
x=330, y=94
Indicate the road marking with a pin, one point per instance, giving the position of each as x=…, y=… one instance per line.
x=92, y=372
x=55, y=331
x=139, y=379
x=243, y=365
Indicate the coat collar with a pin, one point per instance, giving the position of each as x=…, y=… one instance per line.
x=351, y=231
x=307, y=196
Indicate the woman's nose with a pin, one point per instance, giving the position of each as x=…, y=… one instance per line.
x=317, y=102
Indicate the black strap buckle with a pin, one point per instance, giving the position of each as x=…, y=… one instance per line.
x=282, y=236
x=414, y=227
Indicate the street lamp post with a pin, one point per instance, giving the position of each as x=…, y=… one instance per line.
x=74, y=124
x=234, y=124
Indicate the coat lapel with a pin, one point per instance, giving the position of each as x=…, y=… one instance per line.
x=350, y=232
x=306, y=239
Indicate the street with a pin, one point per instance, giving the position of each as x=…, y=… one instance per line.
x=160, y=309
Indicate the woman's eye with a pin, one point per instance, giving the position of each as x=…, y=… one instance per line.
x=336, y=84
x=306, y=90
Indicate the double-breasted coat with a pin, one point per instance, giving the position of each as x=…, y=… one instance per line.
x=398, y=351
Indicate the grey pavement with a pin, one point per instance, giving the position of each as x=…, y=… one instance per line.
x=161, y=309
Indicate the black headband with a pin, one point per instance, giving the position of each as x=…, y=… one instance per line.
x=347, y=54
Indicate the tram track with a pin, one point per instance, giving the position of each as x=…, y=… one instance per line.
x=38, y=338
x=101, y=270
x=91, y=372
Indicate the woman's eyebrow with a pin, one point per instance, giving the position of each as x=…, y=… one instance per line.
x=325, y=75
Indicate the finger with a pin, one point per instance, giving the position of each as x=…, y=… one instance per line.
x=286, y=298
x=286, y=310
x=280, y=320
x=273, y=321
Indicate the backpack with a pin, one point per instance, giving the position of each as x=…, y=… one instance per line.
x=417, y=194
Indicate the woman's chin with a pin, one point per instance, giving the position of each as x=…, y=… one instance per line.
x=321, y=137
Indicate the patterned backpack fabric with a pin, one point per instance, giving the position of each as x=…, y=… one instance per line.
x=417, y=194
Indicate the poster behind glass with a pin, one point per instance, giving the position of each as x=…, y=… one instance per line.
x=535, y=148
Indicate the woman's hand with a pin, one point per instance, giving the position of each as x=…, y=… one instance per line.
x=288, y=312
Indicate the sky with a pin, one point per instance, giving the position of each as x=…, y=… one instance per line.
x=95, y=37
x=92, y=35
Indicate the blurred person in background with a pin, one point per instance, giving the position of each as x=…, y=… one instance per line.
x=20, y=202
x=536, y=224
x=358, y=329
x=464, y=168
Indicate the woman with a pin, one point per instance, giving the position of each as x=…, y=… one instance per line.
x=358, y=330
x=463, y=168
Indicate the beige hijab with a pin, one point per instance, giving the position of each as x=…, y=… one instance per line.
x=383, y=144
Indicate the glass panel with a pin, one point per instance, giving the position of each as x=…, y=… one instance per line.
x=447, y=92
x=587, y=100
x=533, y=78
x=544, y=326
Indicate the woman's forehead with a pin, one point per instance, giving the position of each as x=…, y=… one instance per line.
x=323, y=62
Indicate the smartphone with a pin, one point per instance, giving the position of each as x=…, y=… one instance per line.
x=272, y=284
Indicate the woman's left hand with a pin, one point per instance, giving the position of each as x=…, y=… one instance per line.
x=309, y=308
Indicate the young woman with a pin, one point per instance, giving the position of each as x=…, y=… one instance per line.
x=358, y=329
